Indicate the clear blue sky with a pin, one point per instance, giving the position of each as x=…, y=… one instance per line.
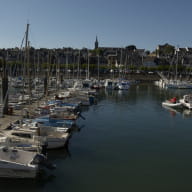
x=75, y=23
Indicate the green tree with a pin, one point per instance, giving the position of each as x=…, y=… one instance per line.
x=131, y=47
x=147, y=52
x=166, y=50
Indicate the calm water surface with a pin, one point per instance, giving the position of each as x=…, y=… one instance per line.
x=128, y=142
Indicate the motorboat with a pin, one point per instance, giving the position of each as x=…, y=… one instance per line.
x=123, y=85
x=54, y=138
x=174, y=103
x=23, y=139
x=186, y=101
x=15, y=163
x=169, y=104
x=110, y=84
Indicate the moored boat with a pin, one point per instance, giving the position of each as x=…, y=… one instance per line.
x=169, y=104
x=172, y=103
x=186, y=101
x=16, y=163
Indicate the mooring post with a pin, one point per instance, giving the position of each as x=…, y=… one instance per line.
x=5, y=87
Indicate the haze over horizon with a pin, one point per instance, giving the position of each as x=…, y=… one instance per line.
x=75, y=23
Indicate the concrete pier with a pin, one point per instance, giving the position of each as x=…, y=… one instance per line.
x=6, y=120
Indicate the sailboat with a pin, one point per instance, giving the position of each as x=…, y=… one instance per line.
x=176, y=83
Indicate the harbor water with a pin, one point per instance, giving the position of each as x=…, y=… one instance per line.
x=128, y=142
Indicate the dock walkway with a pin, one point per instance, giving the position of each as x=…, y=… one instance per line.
x=6, y=120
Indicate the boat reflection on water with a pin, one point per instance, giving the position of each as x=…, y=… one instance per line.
x=173, y=111
x=76, y=128
x=60, y=154
x=186, y=113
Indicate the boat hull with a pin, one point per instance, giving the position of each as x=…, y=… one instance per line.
x=186, y=104
x=174, y=105
x=10, y=170
x=54, y=143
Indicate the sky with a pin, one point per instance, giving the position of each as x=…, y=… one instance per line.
x=116, y=23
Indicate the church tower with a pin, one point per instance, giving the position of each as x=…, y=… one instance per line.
x=96, y=43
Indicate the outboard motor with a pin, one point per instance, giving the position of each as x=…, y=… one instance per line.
x=44, y=149
x=41, y=160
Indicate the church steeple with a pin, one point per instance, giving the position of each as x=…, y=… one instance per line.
x=96, y=43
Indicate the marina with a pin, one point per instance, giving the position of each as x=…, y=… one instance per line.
x=95, y=96
x=127, y=140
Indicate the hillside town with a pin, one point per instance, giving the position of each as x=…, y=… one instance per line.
x=108, y=59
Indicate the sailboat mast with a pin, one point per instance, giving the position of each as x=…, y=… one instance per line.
x=28, y=70
x=88, y=66
x=119, y=66
x=176, y=63
x=98, y=67
x=67, y=72
x=5, y=87
x=26, y=51
x=78, y=65
x=26, y=61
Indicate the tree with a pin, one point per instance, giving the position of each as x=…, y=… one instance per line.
x=166, y=50
x=97, y=51
x=169, y=49
x=1, y=65
x=147, y=52
x=131, y=48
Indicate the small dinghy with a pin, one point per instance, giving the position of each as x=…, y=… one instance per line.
x=172, y=103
